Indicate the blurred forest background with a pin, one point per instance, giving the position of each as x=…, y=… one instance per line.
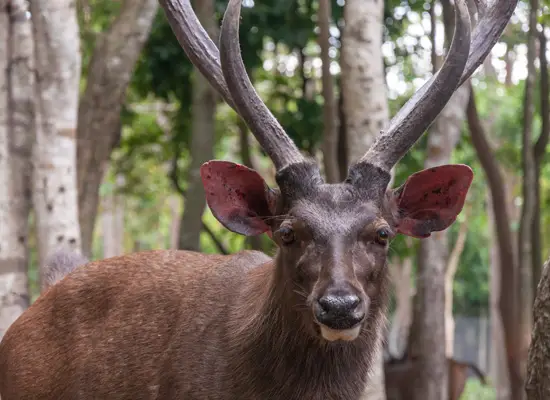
x=104, y=124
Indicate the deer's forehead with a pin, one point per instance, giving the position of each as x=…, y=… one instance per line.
x=334, y=216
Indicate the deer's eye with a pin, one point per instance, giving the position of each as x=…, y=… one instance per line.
x=382, y=236
x=287, y=235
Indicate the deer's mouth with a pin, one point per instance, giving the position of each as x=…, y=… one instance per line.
x=332, y=335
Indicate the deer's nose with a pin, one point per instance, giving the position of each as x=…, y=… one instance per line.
x=340, y=311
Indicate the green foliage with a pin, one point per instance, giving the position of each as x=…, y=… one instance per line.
x=474, y=390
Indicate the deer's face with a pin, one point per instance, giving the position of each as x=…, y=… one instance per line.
x=333, y=247
x=333, y=239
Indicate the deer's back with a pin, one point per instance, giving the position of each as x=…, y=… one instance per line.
x=131, y=327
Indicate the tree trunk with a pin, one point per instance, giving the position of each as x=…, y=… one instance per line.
x=365, y=104
x=508, y=304
x=538, y=365
x=113, y=223
x=330, y=139
x=525, y=262
x=363, y=78
x=255, y=242
x=109, y=74
x=202, y=141
x=8, y=269
x=500, y=378
x=433, y=281
x=58, y=59
x=509, y=59
x=175, y=219
x=452, y=266
x=343, y=162
x=401, y=275
x=539, y=151
x=16, y=138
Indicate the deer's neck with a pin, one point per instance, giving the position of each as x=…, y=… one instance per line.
x=274, y=347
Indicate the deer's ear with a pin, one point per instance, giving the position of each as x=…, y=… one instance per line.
x=430, y=200
x=238, y=197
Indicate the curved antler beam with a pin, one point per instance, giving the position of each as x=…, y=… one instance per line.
x=196, y=44
x=408, y=125
x=488, y=30
x=260, y=120
x=227, y=74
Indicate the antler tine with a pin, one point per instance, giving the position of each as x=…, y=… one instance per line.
x=196, y=43
x=492, y=22
x=254, y=112
x=408, y=125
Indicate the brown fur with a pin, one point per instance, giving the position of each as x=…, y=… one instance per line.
x=400, y=375
x=184, y=325
x=178, y=324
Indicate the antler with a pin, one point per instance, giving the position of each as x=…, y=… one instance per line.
x=230, y=78
x=463, y=58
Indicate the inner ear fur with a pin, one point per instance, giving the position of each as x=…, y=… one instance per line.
x=238, y=197
x=430, y=200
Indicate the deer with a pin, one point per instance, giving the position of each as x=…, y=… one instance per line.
x=303, y=324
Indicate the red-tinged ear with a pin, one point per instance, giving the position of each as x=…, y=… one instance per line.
x=430, y=200
x=238, y=197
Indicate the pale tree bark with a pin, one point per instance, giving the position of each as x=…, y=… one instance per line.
x=16, y=138
x=509, y=60
x=401, y=277
x=364, y=104
x=363, y=78
x=202, y=141
x=330, y=138
x=450, y=272
x=113, y=222
x=175, y=219
x=58, y=61
x=525, y=255
x=109, y=74
x=429, y=338
x=538, y=366
x=7, y=265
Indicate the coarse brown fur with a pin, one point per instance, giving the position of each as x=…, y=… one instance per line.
x=176, y=324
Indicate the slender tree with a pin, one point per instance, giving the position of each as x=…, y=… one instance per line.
x=364, y=103
x=58, y=62
x=539, y=150
x=16, y=129
x=109, y=72
x=525, y=251
x=429, y=338
x=330, y=134
x=202, y=141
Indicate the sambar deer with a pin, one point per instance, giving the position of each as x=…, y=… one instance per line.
x=303, y=325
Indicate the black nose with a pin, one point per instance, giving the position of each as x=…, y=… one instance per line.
x=339, y=312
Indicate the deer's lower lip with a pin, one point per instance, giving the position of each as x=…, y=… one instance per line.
x=340, y=334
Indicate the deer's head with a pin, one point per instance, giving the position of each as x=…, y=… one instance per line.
x=333, y=238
